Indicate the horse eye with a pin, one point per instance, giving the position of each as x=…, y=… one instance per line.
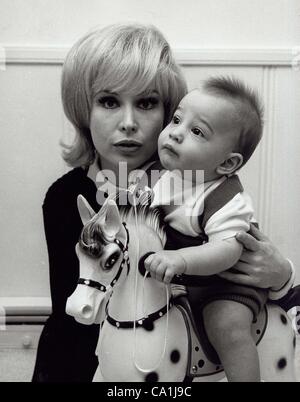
x=110, y=262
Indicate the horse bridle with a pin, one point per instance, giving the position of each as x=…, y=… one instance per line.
x=124, y=249
x=145, y=322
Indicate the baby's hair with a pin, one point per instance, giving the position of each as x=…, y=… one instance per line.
x=120, y=57
x=249, y=110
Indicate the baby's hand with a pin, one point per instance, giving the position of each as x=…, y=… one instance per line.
x=163, y=265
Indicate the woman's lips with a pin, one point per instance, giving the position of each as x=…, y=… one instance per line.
x=128, y=146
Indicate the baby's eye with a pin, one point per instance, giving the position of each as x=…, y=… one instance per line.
x=176, y=119
x=108, y=102
x=197, y=131
x=147, y=103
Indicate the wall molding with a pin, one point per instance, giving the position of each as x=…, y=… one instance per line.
x=267, y=149
x=22, y=306
x=51, y=55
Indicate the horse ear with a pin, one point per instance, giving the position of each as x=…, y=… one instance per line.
x=112, y=222
x=86, y=212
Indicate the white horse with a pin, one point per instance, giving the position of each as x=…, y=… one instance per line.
x=144, y=335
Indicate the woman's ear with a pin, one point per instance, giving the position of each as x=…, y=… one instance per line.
x=231, y=164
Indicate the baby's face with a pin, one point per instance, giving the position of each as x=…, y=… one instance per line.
x=202, y=134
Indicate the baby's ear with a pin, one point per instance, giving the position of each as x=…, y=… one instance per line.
x=233, y=162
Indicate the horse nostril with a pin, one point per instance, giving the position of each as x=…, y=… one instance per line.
x=86, y=311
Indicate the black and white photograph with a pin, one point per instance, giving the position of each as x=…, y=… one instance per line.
x=149, y=203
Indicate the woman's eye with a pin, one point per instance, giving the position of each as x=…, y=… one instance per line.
x=111, y=261
x=176, y=119
x=147, y=103
x=108, y=102
x=198, y=132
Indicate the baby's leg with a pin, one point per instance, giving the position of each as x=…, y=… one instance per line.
x=228, y=327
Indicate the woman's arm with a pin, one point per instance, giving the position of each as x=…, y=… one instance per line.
x=261, y=264
x=62, y=226
x=61, y=232
x=66, y=351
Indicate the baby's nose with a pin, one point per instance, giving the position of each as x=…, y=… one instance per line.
x=176, y=135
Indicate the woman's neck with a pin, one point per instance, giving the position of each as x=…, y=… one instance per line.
x=115, y=174
x=110, y=171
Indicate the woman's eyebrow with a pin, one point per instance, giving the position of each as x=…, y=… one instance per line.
x=109, y=92
x=149, y=92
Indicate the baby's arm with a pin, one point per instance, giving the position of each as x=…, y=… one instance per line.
x=211, y=258
x=218, y=255
x=208, y=259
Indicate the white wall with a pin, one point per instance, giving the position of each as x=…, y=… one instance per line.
x=253, y=39
x=186, y=23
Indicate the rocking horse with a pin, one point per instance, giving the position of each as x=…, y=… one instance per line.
x=146, y=335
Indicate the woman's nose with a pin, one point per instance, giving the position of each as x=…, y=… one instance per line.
x=128, y=122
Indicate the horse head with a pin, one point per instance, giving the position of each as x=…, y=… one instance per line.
x=101, y=250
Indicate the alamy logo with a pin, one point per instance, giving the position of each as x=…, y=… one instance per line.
x=171, y=188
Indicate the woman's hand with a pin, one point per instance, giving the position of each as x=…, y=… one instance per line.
x=261, y=264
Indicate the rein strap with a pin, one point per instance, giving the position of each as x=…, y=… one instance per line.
x=142, y=322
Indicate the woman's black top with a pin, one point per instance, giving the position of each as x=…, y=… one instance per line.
x=66, y=350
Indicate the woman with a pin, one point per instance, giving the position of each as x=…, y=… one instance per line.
x=120, y=86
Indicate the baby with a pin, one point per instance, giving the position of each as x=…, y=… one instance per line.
x=214, y=130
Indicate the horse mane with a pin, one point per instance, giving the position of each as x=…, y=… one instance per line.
x=151, y=217
x=93, y=240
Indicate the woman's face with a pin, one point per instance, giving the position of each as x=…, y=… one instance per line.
x=125, y=127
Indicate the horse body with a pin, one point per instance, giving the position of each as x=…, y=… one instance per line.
x=156, y=349
x=124, y=356
x=277, y=347
x=135, y=354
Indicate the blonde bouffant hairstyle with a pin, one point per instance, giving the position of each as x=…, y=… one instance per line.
x=118, y=57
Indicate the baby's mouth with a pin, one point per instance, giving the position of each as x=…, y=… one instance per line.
x=170, y=149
